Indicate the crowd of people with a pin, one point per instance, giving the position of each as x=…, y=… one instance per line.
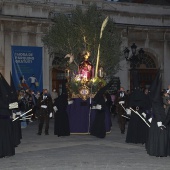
x=147, y=114
x=146, y=111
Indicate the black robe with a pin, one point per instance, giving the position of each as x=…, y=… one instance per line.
x=7, y=147
x=61, y=121
x=157, y=140
x=167, y=124
x=98, y=128
x=137, y=131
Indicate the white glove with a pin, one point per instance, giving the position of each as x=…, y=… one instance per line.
x=99, y=107
x=55, y=108
x=150, y=120
x=159, y=124
x=13, y=105
x=122, y=102
x=128, y=111
x=70, y=102
x=51, y=115
x=144, y=115
x=44, y=106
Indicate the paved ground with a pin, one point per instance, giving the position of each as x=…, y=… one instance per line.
x=80, y=152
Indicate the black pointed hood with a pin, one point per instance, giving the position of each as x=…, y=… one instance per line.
x=64, y=88
x=4, y=90
x=102, y=90
x=154, y=84
x=157, y=103
x=156, y=96
x=137, y=97
x=135, y=76
x=13, y=89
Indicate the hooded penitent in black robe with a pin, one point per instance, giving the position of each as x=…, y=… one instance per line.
x=157, y=139
x=137, y=131
x=61, y=121
x=167, y=124
x=7, y=147
x=17, y=123
x=98, y=128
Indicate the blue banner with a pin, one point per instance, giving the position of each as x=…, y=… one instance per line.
x=27, y=67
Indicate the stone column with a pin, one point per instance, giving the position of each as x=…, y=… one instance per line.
x=147, y=41
x=24, y=40
x=8, y=65
x=2, y=57
x=166, y=60
x=46, y=70
x=124, y=74
x=45, y=58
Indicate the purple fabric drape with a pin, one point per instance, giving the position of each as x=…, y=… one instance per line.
x=81, y=117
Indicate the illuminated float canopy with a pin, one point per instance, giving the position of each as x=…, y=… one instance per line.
x=83, y=84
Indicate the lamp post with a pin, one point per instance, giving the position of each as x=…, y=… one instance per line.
x=135, y=58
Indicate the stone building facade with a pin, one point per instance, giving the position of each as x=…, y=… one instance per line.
x=24, y=22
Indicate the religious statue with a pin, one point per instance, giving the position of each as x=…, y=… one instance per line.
x=86, y=68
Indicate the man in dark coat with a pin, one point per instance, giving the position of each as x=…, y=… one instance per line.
x=44, y=106
x=121, y=99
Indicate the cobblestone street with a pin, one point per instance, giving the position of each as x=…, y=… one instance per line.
x=80, y=152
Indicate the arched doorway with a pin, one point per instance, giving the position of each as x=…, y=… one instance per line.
x=57, y=78
x=147, y=69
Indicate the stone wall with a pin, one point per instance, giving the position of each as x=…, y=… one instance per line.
x=24, y=23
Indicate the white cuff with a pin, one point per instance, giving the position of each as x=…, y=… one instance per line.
x=99, y=107
x=144, y=115
x=128, y=111
x=13, y=115
x=51, y=115
x=94, y=107
x=44, y=106
x=122, y=102
x=150, y=120
x=55, y=108
x=70, y=102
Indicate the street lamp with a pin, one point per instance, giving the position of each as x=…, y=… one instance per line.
x=135, y=58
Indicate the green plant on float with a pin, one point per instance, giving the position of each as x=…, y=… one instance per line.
x=82, y=32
